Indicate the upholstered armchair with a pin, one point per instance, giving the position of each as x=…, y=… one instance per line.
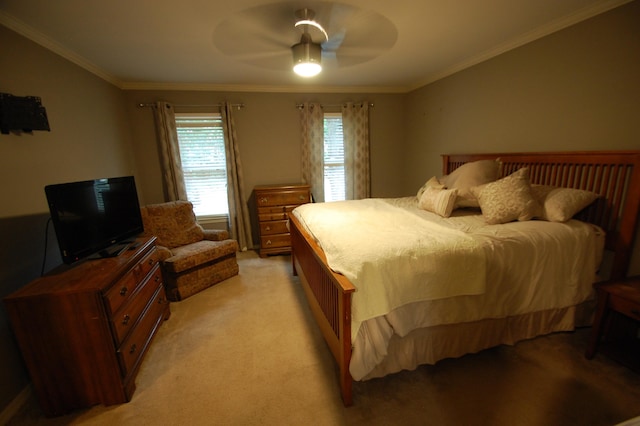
x=192, y=258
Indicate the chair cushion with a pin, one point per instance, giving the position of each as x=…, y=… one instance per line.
x=199, y=253
x=173, y=223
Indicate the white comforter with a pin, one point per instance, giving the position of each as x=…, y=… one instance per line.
x=513, y=269
x=392, y=256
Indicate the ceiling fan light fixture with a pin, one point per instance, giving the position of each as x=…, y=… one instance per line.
x=306, y=58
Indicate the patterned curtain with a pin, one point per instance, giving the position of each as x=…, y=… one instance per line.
x=239, y=220
x=355, y=127
x=312, y=123
x=171, y=165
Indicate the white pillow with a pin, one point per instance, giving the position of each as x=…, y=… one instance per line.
x=431, y=183
x=439, y=201
x=561, y=204
x=469, y=175
x=507, y=199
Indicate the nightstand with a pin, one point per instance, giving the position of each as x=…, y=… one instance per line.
x=615, y=327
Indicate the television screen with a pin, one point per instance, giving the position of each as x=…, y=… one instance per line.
x=94, y=217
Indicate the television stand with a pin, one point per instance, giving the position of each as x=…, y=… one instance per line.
x=111, y=251
x=84, y=332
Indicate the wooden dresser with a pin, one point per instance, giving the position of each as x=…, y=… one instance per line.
x=274, y=202
x=84, y=329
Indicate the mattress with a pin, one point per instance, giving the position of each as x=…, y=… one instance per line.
x=514, y=269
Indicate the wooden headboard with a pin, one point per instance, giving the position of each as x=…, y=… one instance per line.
x=615, y=175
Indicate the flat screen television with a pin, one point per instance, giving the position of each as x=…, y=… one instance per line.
x=94, y=218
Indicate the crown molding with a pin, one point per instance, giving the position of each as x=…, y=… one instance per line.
x=528, y=37
x=37, y=37
x=260, y=88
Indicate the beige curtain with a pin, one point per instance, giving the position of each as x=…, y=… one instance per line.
x=171, y=166
x=239, y=220
x=312, y=123
x=355, y=127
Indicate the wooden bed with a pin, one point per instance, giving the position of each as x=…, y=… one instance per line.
x=615, y=175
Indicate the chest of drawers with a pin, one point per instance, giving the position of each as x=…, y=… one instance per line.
x=83, y=331
x=274, y=202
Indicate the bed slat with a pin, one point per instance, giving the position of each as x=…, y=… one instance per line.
x=329, y=297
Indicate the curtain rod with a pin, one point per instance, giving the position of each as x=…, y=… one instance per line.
x=143, y=105
x=300, y=106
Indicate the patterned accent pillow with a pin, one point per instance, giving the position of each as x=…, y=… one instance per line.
x=469, y=175
x=431, y=183
x=439, y=201
x=561, y=204
x=507, y=199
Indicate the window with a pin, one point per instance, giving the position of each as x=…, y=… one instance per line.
x=204, y=164
x=334, y=175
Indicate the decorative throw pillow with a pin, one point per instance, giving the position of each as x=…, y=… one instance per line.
x=561, y=204
x=439, y=201
x=507, y=199
x=431, y=183
x=469, y=175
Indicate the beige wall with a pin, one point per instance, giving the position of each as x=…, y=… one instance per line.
x=577, y=89
x=268, y=133
x=89, y=135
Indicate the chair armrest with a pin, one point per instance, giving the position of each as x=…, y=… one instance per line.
x=163, y=252
x=216, y=234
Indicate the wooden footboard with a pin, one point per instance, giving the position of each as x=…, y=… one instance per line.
x=329, y=296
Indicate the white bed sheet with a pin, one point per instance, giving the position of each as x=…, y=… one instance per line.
x=530, y=266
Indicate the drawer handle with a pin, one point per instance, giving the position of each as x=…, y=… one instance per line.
x=160, y=300
x=133, y=348
x=268, y=228
x=301, y=197
x=264, y=199
x=157, y=278
x=125, y=319
x=151, y=261
x=123, y=291
x=268, y=242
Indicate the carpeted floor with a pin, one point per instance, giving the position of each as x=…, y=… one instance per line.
x=247, y=352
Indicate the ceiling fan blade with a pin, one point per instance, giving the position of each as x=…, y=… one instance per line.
x=335, y=41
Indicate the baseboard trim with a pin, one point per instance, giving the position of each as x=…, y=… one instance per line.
x=14, y=406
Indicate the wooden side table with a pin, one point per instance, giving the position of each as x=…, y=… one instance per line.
x=615, y=327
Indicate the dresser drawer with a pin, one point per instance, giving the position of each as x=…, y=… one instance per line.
x=121, y=292
x=279, y=240
x=272, y=216
x=274, y=227
x=278, y=198
x=136, y=343
x=128, y=315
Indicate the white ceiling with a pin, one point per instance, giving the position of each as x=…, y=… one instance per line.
x=243, y=45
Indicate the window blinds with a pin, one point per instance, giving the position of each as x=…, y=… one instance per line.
x=204, y=166
x=334, y=175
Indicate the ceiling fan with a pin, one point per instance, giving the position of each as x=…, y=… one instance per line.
x=335, y=35
x=307, y=54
